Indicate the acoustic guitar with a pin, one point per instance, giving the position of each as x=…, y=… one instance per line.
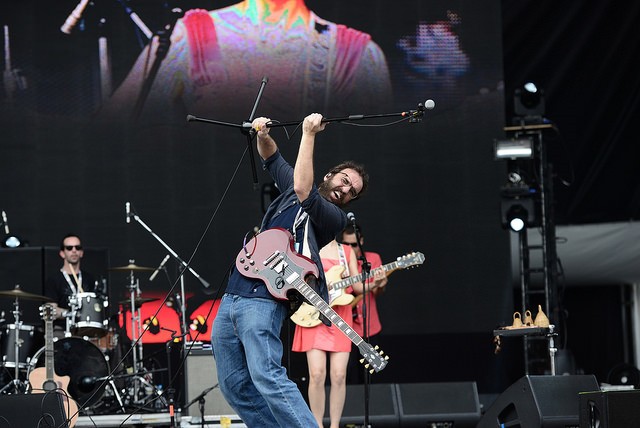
x=44, y=379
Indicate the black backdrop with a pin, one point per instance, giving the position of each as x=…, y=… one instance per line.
x=434, y=184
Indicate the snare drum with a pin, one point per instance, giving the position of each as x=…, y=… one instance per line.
x=91, y=318
x=26, y=337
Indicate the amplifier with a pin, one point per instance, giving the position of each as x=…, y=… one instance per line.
x=200, y=375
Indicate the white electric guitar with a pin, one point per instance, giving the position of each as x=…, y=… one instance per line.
x=308, y=316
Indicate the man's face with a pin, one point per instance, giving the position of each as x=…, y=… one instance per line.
x=350, y=239
x=72, y=250
x=341, y=187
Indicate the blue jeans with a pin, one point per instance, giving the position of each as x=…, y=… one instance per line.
x=246, y=345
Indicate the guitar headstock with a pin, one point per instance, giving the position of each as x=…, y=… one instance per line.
x=47, y=312
x=409, y=260
x=372, y=357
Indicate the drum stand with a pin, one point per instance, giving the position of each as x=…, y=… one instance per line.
x=136, y=332
x=16, y=383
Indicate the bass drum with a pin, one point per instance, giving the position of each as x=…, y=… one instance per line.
x=83, y=362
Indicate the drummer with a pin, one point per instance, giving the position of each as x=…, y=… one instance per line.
x=68, y=281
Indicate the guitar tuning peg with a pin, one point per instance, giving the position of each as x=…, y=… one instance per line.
x=366, y=366
x=376, y=347
x=386, y=358
x=361, y=360
x=371, y=371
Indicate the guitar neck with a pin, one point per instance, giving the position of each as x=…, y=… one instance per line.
x=319, y=303
x=347, y=282
x=48, y=350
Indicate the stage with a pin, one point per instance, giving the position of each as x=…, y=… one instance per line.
x=531, y=402
x=159, y=420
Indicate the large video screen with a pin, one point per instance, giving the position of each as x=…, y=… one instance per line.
x=95, y=117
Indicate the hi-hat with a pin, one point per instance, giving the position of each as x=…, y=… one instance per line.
x=138, y=301
x=18, y=293
x=130, y=267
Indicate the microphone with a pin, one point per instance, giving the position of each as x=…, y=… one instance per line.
x=127, y=207
x=4, y=221
x=352, y=218
x=74, y=17
x=155, y=273
x=88, y=380
x=416, y=115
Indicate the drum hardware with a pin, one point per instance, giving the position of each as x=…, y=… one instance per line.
x=18, y=385
x=131, y=267
x=139, y=301
x=136, y=321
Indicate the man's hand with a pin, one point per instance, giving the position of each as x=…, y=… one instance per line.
x=313, y=124
x=266, y=145
x=260, y=125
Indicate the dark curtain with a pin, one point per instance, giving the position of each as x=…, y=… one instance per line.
x=582, y=54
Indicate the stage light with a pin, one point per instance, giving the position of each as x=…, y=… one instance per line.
x=12, y=241
x=518, y=213
x=529, y=101
x=515, y=148
x=516, y=217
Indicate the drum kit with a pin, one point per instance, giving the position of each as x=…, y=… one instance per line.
x=90, y=353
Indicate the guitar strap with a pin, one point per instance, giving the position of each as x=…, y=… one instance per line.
x=343, y=261
x=78, y=279
x=300, y=217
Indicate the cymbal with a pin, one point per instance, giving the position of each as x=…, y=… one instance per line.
x=18, y=293
x=138, y=301
x=130, y=266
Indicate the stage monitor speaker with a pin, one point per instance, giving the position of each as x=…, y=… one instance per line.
x=383, y=406
x=539, y=401
x=33, y=410
x=201, y=374
x=610, y=409
x=446, y=404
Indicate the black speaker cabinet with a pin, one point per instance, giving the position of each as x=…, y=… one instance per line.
x=201, y=374
x=610, y=409
x=539, y=401
x=453, y=404
x=33, y=410
x=383, y=406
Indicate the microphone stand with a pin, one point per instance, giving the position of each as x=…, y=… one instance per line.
x=183, y=325
x=170, y=390
x=414, y=116
x=201, y=401
x=164, y=43
x=245, y=128
x=366, y=271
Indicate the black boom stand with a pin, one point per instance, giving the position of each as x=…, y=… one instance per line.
x=366, y=273
x=412, y=116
